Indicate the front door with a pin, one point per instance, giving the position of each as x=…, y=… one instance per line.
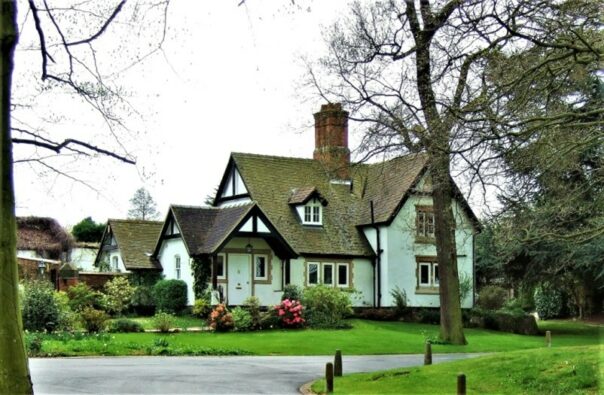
x=239, y=278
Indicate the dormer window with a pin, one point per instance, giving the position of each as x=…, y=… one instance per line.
x=309, y=204
x=313, y=213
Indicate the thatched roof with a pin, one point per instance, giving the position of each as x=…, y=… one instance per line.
x=43, y=235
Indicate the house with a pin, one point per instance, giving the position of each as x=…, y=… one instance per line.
x=42, y=237
x=83, y=255
x=126, y=246
x=365, y=228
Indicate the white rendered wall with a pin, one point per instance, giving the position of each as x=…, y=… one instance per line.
x=84, y=258
x=169, y=249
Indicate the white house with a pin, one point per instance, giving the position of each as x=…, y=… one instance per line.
x=126, y=246
x=365, y=228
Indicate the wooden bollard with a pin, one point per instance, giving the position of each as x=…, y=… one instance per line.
x=548, y=338
x=428, y=354
x=329, y=377
x=337, y=364
x=461, y=384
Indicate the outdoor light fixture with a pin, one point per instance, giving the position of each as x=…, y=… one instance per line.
x=249, y=247
x=41, y=267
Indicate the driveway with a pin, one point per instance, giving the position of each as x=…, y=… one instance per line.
x=207, y=375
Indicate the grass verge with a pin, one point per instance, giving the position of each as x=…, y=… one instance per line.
x=365, y=338
x=566, y=370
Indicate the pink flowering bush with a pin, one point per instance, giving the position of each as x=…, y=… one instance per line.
x=289, y=313
x=220, y=319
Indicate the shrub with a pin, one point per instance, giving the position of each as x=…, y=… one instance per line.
x=142, y=300
x=548, y=301
x=465, y=287
x=170, y=295
x=82, y=296
x=252, y=305
x=428, y=316
x=68, y=319
x=201, y=308
x=220, y=319
x=326, y=306
x=118, y=293
x=290, y=313
x=124, y=325
x=163, y=322
x=93, y=320
x=39, y=309
x=522, y=323
x=292, y=292
x=400, y=301
x=242, y=319
x=33, y=344
x=492, y=297
x=269, y=320
x=378, y=314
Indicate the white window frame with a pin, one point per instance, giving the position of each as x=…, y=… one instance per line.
x=419, y=273
x=177, y=267
x=265, y=277
x=308, y=264
x=347, y=284
x=115, y=263
x=425, y=222
x=224, y=263
x=333, y=274
x=310, y=208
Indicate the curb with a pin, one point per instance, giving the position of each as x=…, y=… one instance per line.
x=305, y=388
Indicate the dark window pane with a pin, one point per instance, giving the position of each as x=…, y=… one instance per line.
x=436, y=278
x=307, y=213
x=315, y=214
x=424, y=274
x=327, y=274
x=220, y=266
x=260, y=266
x=342, y=274
x=313, y=273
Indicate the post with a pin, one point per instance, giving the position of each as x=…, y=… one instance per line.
x=428, y=354
x=548, y=338
x=337, y=364
x=329, y=377
x=461, y=384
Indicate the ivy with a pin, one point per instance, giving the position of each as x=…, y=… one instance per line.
x=202, y=271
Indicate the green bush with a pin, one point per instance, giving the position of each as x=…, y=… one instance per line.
x=520, y=323
x=94, y=320
x=492, y=297
x=68, y=319
x=82, y=296
x=292, y=292
x=400, y=301
x=124, y=325
x=39, y=309
x=325, y=307
x=118, y=293
x=170, y=295
x=142, y=300
x=252, y=305
x=242, y=319
x=269, y=320
x=33, y=344
x=163, y=322
x=428, y=316
x=548, y=301
x=201, y=308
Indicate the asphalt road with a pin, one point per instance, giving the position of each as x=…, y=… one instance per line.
x=199, y=375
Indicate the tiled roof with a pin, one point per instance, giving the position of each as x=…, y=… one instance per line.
x=136, y=240
x=301, y=195
x=205, y=228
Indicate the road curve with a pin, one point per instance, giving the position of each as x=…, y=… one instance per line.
x=200, y=375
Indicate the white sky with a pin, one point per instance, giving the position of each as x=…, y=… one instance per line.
x=228, y=82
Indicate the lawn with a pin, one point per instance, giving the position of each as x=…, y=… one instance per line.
x=563, y=370
x=181, y=322
x=366, y=337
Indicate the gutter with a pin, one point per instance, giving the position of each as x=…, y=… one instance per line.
x=377, y=262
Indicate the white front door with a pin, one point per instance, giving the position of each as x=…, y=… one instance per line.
x=239, y=278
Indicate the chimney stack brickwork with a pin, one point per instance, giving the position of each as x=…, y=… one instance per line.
x=331, y=140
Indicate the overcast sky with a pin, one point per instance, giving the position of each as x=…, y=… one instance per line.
x=227, y=81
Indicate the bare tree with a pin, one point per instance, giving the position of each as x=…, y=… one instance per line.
x=66, y=38
x=417, y=74
x=142, y=205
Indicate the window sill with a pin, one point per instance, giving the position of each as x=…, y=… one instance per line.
x=426, y=290
x=425, y=240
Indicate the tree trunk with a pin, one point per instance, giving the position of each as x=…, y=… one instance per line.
x=14, y=370
x=451, y=324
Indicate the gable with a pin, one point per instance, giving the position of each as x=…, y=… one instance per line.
x=232, y=185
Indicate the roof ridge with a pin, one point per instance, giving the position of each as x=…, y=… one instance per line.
x=133, y=221
x=272, y=156
x=409, y=155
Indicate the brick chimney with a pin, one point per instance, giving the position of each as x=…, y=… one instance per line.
x=331, y=140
